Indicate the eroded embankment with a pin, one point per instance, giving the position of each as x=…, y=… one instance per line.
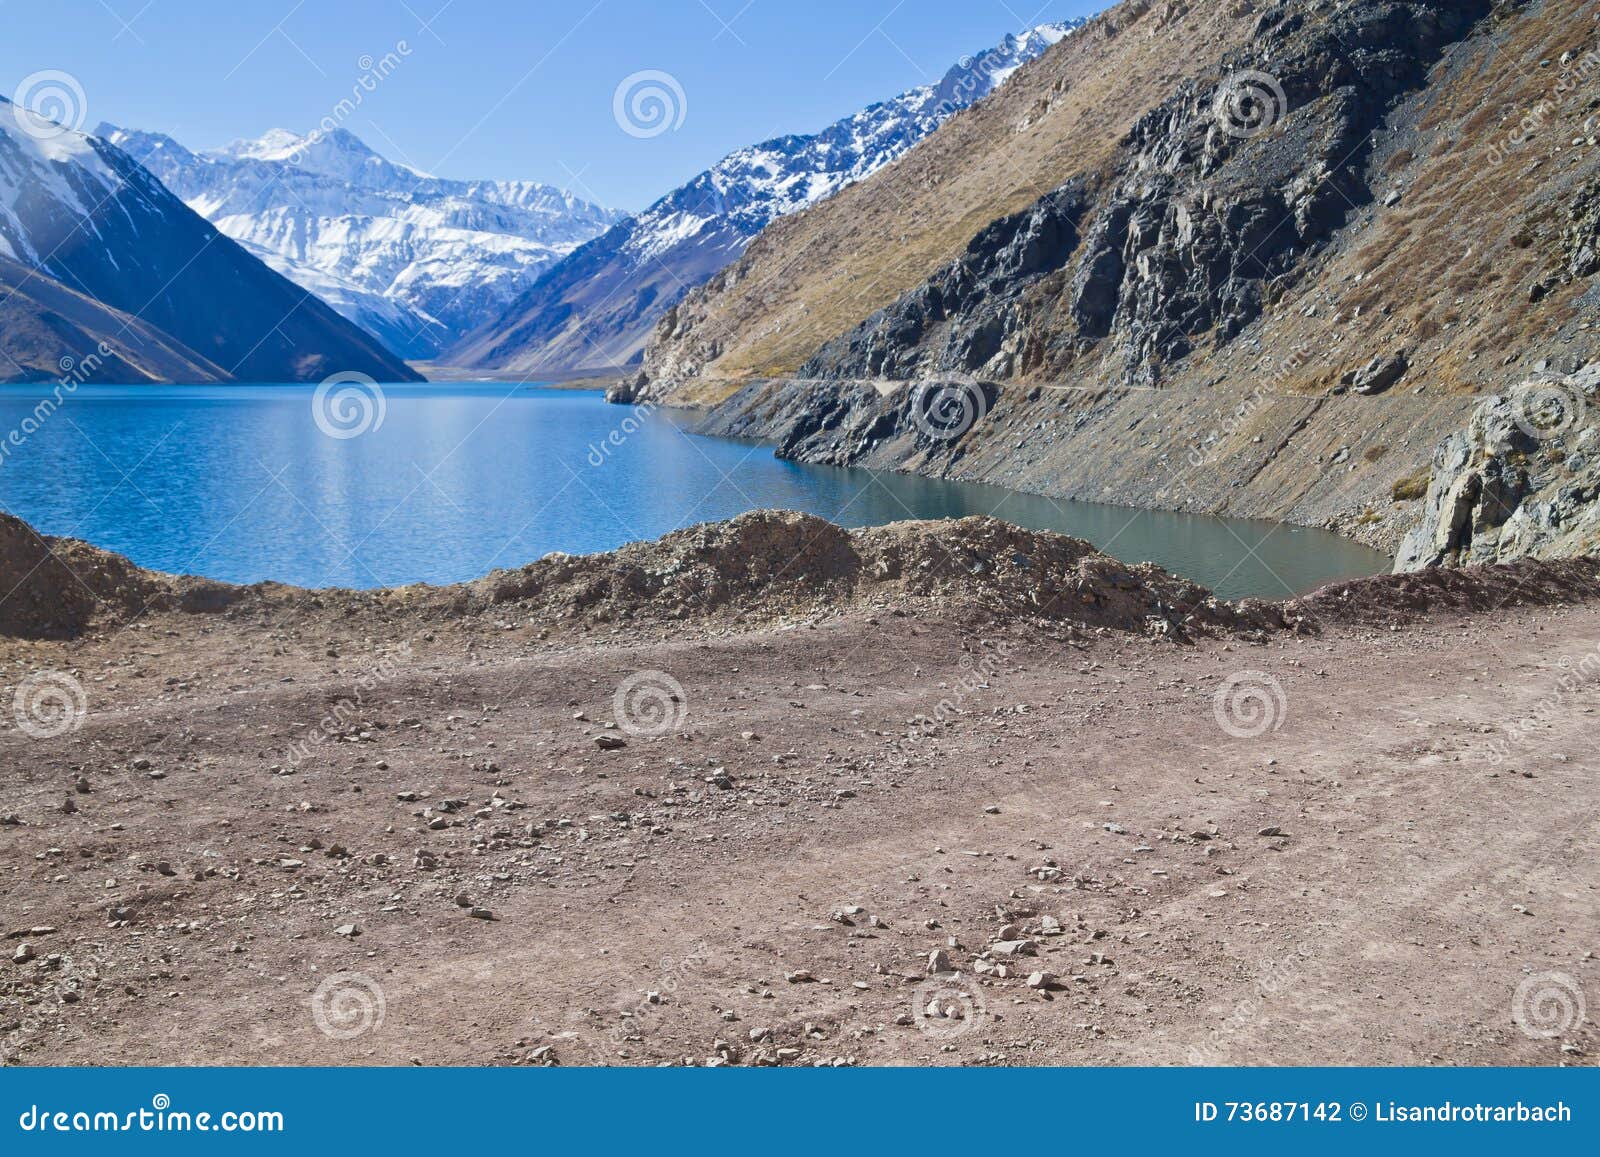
x=765, y=567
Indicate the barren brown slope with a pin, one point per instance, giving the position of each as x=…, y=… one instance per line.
x=48, y=331
x=809, y=277
x=1469, y=212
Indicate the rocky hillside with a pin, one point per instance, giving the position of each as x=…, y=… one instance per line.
x=811, y=277
x=77, y=211
x=595, y=309
x=1315, y=234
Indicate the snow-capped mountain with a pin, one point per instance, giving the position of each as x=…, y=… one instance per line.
x=595, y=308
x=85, y=225
x=415, y=259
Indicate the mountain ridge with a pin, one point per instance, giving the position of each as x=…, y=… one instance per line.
x=412, y=258
x=80, y=213
x=594, y=309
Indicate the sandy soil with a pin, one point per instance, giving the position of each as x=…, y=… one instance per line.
x=307, y=836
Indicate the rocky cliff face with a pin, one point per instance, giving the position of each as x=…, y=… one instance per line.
x=1226, y=188
x=964, y=317
x=816, y=275
x=1521, y=480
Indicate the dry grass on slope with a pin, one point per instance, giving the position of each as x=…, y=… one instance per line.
x=1445, y=272
x=812, y=276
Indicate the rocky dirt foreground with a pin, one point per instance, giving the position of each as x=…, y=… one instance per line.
x=769, y=792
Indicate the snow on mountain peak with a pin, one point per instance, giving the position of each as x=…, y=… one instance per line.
x=596, y=307
x=272, y=145
x=413, y=258
x=48, y=173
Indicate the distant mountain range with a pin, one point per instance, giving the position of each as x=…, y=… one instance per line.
x=94, y=248
x=595, y=308
x=414, y=259
x=289, y=257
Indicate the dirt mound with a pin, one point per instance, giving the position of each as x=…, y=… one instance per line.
x=1403, y=598
x=786, y=561
x=52, y=588
x=770, y=566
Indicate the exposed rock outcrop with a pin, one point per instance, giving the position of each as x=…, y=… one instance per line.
x=1228, y=188
x=964, y=318
x=1578, y=254
x=1521, y=480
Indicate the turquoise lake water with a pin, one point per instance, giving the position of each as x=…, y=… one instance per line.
x=244, y=483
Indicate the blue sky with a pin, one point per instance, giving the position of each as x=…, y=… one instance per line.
x=497, y=89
